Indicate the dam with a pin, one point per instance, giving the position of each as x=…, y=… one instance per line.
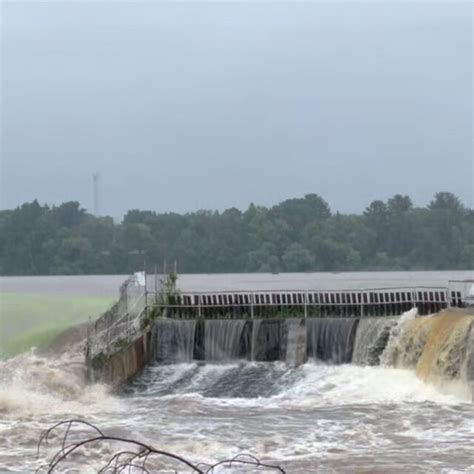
x=158, y=324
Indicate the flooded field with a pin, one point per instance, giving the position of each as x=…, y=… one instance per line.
x=108, y=285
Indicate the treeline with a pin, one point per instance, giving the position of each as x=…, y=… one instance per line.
x=296, y=235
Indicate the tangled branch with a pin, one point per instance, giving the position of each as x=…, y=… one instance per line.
x=126, y=459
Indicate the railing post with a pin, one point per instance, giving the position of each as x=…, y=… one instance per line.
x=362, y=303
x=199, y=306
x=251, y=305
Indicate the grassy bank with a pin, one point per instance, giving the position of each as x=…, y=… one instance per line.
x=27, y=320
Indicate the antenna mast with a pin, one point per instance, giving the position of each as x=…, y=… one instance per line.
x=95, y=190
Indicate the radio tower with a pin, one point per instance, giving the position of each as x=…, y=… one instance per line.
x=95, y=190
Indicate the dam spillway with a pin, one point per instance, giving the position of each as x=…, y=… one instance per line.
x=329, y=340
x=436, y=346
x=169, y=326
x=291, y=326
x=228, y=340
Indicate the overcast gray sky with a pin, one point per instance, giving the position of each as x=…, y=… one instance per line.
x=182, y=106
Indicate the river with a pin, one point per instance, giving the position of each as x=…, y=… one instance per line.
x=318, y=417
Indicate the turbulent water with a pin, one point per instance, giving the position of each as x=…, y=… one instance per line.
x=318, y=417
x=315, y=418
x=371, y=339
x=322, y=416
x=440, y=348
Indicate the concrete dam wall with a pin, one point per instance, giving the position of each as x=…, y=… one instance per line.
x=439, y=347
x=121, y=365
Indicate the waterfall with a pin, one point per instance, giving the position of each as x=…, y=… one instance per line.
x=438, y=347
x=446, y=347
x=223, y=338
x=371, y=339
x=331, y=339
x=406, y=341
x=268, y=340
x=256, y=323
x=173, y=340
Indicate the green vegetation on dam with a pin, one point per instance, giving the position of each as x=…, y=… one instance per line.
x=296, y=235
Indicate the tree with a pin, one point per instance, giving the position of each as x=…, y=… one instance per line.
x=445, y=201
x=298, y=259
x=263, y=259
x=399, y=204
x=74, y=435
x=377, y=218
x=68, y=214
x=295, y=235
x=298, y=212
x=400, y=231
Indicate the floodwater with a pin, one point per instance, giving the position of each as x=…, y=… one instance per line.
x=316, y=418
x=108, y=285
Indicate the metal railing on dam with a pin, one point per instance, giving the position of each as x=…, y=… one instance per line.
x=284, y=303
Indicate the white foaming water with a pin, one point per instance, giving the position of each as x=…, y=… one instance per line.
x=36, y=392
x=371, y=339
x=348, y=384
x=388, y=355
x=31, y=384
x=314, y=418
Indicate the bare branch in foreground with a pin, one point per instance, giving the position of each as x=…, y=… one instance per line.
x=126, y=459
